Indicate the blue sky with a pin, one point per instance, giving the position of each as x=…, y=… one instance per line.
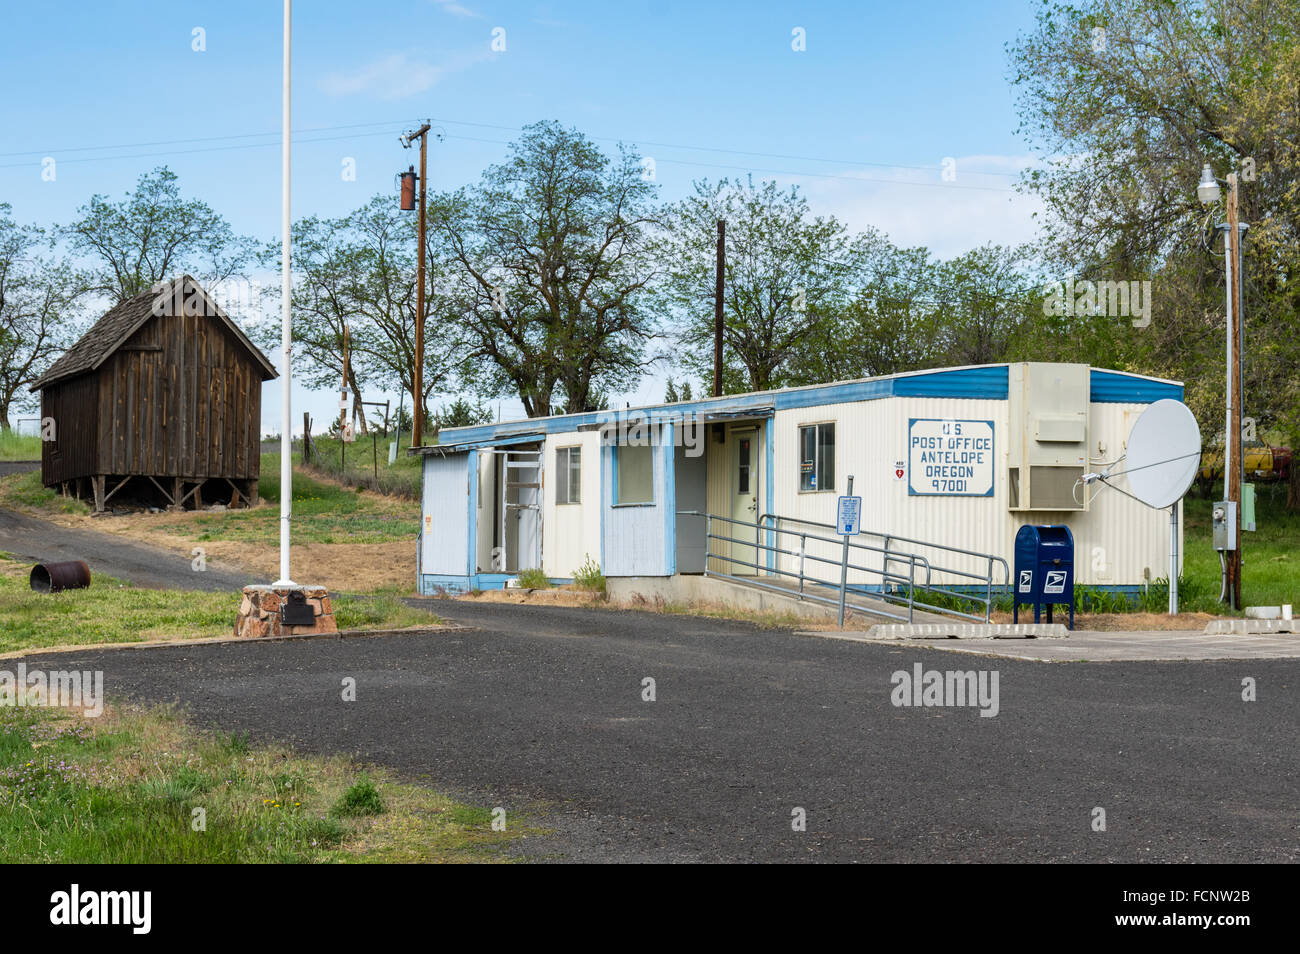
x=861, y=119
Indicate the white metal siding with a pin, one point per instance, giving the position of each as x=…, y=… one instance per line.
x=444, y=529
x=1114, y=541
x=634, y=535
x=571, y=532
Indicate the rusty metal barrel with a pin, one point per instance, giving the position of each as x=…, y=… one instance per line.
x=56, y=577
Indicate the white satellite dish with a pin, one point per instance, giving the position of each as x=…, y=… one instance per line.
x=1163, y=454
x=1161, y=459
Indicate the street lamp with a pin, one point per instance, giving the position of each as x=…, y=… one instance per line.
x=1208, y=192
x=1208, y=189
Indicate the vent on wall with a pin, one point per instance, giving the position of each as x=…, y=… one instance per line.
x=1047, y=408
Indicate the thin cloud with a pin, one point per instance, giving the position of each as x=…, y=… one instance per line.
x=398, y=75
x=455, y=9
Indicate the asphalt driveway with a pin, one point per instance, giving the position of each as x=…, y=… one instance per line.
x=542, y=709
x=41, y=541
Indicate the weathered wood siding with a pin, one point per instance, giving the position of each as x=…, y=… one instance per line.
x=73, y=406
x=181, y=398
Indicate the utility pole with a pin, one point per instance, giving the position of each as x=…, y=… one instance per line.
x=1232, y=462
x=717, y=308
x=343, y=387
x=417, y=384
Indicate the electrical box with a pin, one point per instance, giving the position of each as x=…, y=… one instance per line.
x=1223, y=518
x=1047, y=453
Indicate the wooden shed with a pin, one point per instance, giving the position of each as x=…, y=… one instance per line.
x=163, y=397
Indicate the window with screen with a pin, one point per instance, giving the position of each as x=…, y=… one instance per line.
x=568, y=475
x=817, y=457
x=634, y=467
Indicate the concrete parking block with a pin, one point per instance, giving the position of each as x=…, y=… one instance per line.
x=1252, y=627
x=956, y=630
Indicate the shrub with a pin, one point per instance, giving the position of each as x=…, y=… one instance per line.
x=362, y=798
x=533, y=579
x=589, y=577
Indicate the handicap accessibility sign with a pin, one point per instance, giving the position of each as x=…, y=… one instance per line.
x=848, y=515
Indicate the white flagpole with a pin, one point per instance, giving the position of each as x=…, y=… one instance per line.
x=286, y=442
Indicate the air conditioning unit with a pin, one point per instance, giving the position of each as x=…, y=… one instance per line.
x=1047, y=417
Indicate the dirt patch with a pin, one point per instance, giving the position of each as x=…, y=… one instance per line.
x=1120, y=622
x=342, y=567
x=558, y=596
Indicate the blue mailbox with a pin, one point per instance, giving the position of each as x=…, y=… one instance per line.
x=1044, y=569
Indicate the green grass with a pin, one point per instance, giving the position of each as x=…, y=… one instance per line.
x=14, y=446
x=1270, y=572
x=323, y=512
x=132, y=786
x=24, y=491
x=109, y=611
x=359, y=468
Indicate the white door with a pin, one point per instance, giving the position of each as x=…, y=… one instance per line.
x=744, y=500
x=522, y=513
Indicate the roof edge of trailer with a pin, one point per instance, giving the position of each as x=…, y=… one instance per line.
x=979, y=381
x=463, y=446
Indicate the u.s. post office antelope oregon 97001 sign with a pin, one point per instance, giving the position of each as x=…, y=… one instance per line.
x=947, y=457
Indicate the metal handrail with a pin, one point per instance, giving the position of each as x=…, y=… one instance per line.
x=986, y=578
x=802, y=576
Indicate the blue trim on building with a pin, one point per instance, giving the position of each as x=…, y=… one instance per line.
x=989, y=382
x=981, y=382
x=471, y=520
x=461, y=446
x=769, y=478
x=613, y=476
x=605, y=497
x=669, y=452
x=430, y=583
x=1120, y=387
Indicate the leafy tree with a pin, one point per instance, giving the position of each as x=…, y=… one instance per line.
x=548, y=263
x=464, y=413
x=889, y=323
x=359, y=271
x=324, y=302
x=38, y=298
x=786, y=277
x=673, y=394
x=384, y=242
x=1126, y=100
x=153, y=234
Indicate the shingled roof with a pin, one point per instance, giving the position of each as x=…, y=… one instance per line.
x=123, y=320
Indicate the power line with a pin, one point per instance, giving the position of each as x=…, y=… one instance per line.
x=186, y=152
x=398, y=123
x=783, y=172
x=735, y=152
x=172, y=142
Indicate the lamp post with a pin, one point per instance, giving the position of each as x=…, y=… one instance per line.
x=1208, y=192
